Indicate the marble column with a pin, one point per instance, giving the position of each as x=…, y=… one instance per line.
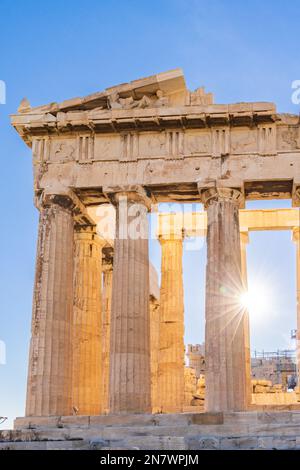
x=154, y=351
x=244, y=241
x=171, y=331
x=106, y=306
x=49, y=386
x=87, y=322
x=225, y=346
x=296, y=239
x=130, y=385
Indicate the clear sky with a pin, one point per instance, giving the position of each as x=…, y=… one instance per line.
x=50, y=51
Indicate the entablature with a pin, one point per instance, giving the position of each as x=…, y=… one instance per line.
x=155, y=133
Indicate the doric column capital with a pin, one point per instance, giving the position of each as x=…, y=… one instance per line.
x=67, y=199
x=134, y=194
x=171, y=236
x=218, y=194
x=170, y=226
x=296, y=234
x=87, y=235
x=88, y=231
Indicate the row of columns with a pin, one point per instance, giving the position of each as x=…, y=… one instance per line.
x=91, y=351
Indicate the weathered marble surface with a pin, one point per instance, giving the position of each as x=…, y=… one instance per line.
x=185, y=431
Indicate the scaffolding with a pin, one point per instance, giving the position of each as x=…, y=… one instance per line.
x=279, y=354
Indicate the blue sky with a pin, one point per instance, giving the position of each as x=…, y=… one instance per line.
x=50, y=51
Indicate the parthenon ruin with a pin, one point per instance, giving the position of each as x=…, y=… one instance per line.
x=106, y=340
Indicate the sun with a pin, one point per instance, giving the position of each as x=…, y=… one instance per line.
x=256, y=300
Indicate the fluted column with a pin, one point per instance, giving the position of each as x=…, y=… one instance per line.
x=244, y=241
x=130, y=385
x=50, y=361
x=106, y=306
x=171, y=332
x=225, y=346
x=154, y=349
x=296, y=239
x=87, y=322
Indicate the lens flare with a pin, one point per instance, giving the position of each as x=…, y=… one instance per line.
x=257, y=301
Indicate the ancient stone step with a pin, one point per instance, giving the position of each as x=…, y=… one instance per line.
x=252, y=418
x=120, y=420
x=46, y=445
x=243, y=430
x=150, y=442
